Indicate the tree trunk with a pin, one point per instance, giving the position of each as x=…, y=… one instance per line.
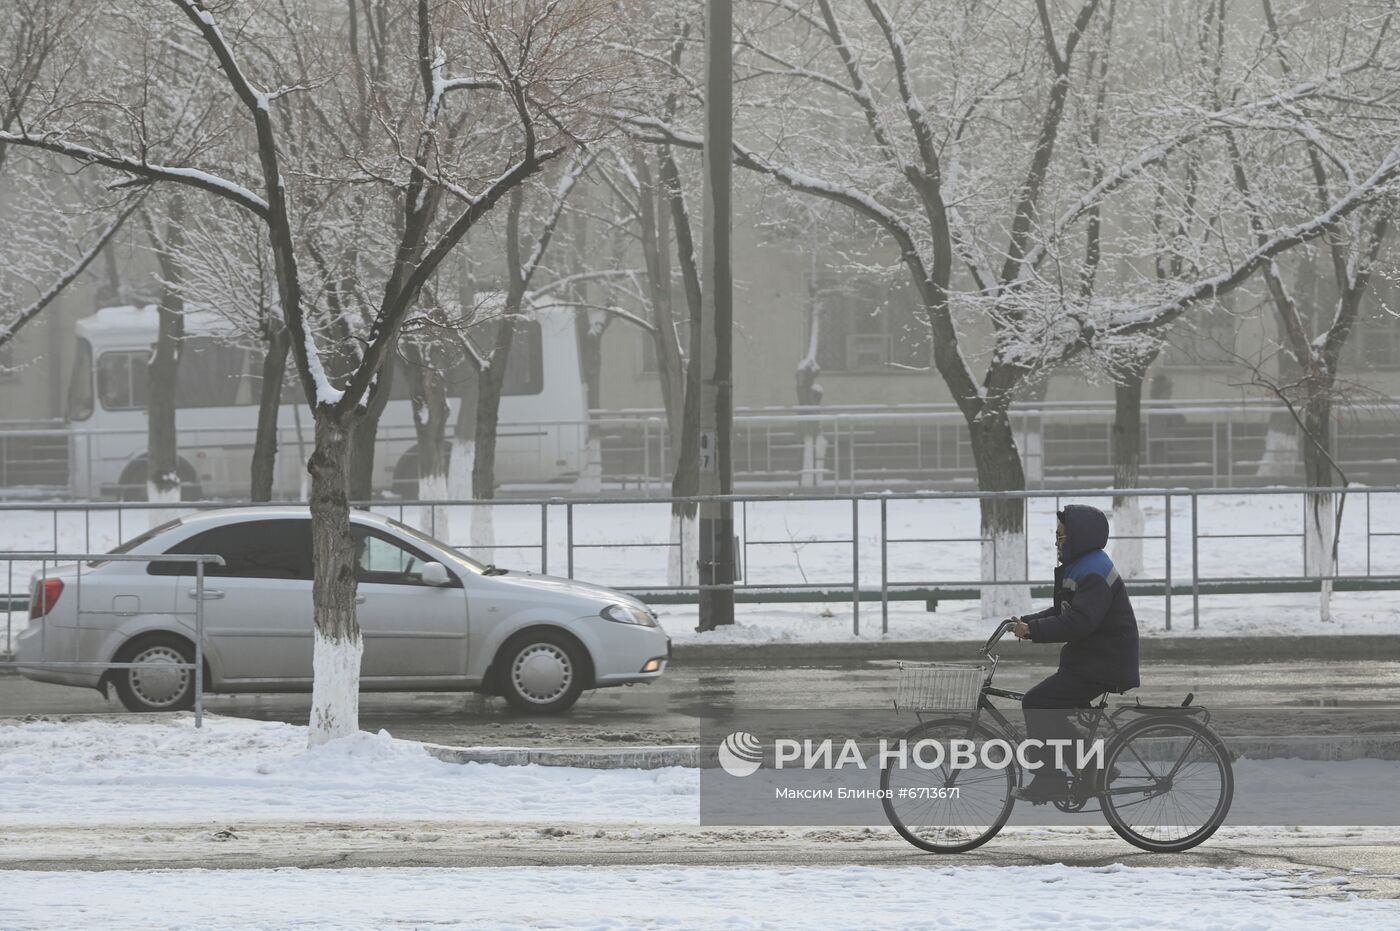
x=462, y=460
x=428, y=387
x=488, y=416
x=1030, y=438
x=1320, y=509
x=656, y=251
x=274, y=370
x=335, y=697
x=590, y=349
x=683, y=568
x=1003, y=519
x=162, y=456
x=1127, y=519
x=1281, y=454
x=809, y=394
x=366, y=434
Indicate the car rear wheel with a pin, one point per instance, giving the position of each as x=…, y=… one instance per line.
x=542, y=672
x=156, y=686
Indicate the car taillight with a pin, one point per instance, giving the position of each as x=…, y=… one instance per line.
x=46, y=592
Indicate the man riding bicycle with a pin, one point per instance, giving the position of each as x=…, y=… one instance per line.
x=1094, y=620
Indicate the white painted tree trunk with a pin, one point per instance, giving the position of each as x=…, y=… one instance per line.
x=434, y=519
x=590, y=476
x=1280, y=459
x=1318, y=535
x=335, y=688
x=681, y=562
x=1127, y=530
x=1031, y=443
x=163, y=495
x=459, y=486
x=1004, y=557
x=483, y=533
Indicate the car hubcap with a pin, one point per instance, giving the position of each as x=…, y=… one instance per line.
x=542, y=672
x=158, y=684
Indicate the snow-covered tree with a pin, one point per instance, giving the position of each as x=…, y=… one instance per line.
x=954, y=151
x=479, y=97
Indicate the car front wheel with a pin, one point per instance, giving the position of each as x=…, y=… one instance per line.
x=157, y=685
x=542, y=673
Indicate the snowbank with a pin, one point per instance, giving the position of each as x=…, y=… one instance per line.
x=240, y=770
x=1026, y=897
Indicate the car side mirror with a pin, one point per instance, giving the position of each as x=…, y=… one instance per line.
x=435, y=573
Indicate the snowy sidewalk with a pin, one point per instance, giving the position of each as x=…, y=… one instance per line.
x=1031, y=897
x=241, y=770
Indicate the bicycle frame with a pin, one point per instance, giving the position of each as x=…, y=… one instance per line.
x=1097, y=715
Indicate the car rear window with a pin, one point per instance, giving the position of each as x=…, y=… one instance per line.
x=254, y=549
x=136, y=541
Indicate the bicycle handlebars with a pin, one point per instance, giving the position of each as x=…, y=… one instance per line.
x=1000, y=632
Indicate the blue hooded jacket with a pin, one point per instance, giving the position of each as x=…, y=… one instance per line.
x=1091, y=616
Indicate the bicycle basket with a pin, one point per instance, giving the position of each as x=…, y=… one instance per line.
x=939, y=687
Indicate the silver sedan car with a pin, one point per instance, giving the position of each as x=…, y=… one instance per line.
x=432, y=619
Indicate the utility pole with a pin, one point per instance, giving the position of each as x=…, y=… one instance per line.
x=717, y=326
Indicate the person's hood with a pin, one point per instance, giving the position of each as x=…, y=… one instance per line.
x=1086, y=530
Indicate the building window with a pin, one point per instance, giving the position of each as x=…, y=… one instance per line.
x=1375, y=340
x=1209, y=338
x=868, y=323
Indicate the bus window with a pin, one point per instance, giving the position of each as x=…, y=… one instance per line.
x=216, y=374
x=524, y=368
x=211, y=374
x=121, y=380
x=80, y=386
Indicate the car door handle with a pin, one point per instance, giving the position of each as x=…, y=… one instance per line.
x=359, y=599
x=210, y=594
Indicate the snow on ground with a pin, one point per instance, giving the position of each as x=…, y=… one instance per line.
x=1030, y=897
x=236, y=769
x=1221, y=616
x=808, y=542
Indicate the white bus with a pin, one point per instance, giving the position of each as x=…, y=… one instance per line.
x=542, y=421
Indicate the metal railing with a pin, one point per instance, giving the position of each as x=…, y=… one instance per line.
x=80, y=559
x=1203, y=443
x=542, y=533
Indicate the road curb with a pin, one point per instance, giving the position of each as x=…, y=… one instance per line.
x=579, y=757
x=1186, y=648
x=1336, y=748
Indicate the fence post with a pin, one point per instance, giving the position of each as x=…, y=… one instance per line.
x=544, y=538
x=199, y=642
x=855, y=564
x=1195, y=564
x=884, y=566
x=1168, y=587
x=569, y=540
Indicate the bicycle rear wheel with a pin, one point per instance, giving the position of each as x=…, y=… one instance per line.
x=1170, y=784
x=922, y=806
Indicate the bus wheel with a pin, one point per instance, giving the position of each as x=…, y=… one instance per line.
x=405, y=485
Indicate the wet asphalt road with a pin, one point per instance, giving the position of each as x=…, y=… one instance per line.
x=1350, y=697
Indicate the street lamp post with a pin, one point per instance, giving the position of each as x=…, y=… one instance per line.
x=717, y=327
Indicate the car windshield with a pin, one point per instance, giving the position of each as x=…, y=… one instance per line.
x=415, y=534
x=136, y=541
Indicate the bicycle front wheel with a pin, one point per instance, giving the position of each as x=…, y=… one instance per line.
x=942, y=809
x=1169, y=784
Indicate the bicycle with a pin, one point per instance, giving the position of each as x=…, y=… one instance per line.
x=1164, y=783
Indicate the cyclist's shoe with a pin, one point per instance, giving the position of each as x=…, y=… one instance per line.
x=1047, y=786
x=1092, y=778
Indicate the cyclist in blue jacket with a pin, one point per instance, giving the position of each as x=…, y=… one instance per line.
x=1094, y=620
